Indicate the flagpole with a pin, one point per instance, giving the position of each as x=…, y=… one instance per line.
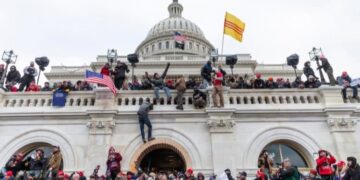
x=223, y=38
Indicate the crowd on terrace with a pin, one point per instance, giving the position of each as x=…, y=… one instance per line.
x=210, y=77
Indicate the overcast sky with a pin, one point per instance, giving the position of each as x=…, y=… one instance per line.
x=74, y=32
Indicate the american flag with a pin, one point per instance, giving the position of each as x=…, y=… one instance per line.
x=94, y=77
x=179, y=37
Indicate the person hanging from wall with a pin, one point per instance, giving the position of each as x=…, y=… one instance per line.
x=346, y=82
x=180, y=86
x=199, y=99
x=158, y=82
x=143, y=114
x=119, y=73
x=308, y=71
x=113, y=163
x=206, y=71
x=324, y=164
x=55, y=162
x=328, y=69
x=30, y=72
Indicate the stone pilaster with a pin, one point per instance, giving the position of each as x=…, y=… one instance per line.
x=221, y=125
x=101, y=127
x=342, y=126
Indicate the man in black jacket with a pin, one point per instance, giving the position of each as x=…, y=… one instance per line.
x=346, y=80
x=30, y=72
x=158, y=83
x=206, y=71
x=119, y=73
x=353, y=171
x=328, y=69
x=13, y=75
x=308, y=71
x=37, y=165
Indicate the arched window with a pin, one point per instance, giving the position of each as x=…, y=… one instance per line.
x=153, y=48
x=167, y=45
x=279, y=151
x=197, y=47
x=190, y=45
x=159, y=46
x=181, y=25
x=147, y=49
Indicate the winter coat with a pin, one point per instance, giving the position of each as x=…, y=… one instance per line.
x=159, y=82
x=346, y=78
x=290, y=174
x=55, y=161
x=144, y=109
x=352, y=173
x=259, y=84
x=308, y=71
x=326, y=65
x=114, y=164
x=312, y=84
x=105, y=71
x=180, y=85
x=120, y=71
x=323, y=165
x=206, y=71
x=13, y=76
x=37, y=164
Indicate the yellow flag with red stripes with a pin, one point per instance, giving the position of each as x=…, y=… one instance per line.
x=234, y=27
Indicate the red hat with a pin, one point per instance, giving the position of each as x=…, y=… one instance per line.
x=258, y=75
x=313, y=172
x=66, y=177
x=190, y=171
x=80, y=173
x=341, y=163
x=270, y=79
x=60, y=173
x=9, y=173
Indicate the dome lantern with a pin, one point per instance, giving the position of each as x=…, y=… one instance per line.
x=175, y=9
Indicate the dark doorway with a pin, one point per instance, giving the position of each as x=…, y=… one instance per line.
x=162, y=159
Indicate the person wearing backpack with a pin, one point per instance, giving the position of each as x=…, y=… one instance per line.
x=324, y=164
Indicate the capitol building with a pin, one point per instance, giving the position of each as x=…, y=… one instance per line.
x=293, y=123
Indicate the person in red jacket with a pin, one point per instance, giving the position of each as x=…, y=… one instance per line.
x=324, y=164
x=105, y=70
x=218, y=89
x=113, y=163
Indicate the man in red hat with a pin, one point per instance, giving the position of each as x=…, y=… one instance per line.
x=339, y=170
x=259, y=83
x=324, y=164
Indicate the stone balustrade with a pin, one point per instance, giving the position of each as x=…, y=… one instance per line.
x=234, y=98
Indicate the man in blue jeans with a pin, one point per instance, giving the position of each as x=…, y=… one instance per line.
x=144, y=120
x=158, y=82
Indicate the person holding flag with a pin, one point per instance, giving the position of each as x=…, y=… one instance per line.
x=93, y=77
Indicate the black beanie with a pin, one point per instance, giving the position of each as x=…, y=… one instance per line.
x=353, y=161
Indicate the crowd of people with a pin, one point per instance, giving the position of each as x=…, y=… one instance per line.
x=212, y=77
x=37, y=166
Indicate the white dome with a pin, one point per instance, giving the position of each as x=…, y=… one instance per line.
x=172, y=24
x=160, y=39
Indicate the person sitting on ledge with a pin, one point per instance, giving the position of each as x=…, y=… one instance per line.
x=346, y=80
x=158, y=82
x=312, y=82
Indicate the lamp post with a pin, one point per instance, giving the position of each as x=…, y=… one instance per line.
x=315, y=55
x=112, y=56
x=214, y=56
x=9, y=58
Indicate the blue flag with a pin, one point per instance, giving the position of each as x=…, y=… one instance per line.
x=59, y=98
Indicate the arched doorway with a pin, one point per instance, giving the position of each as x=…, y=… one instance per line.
x=161, y=155
x=162, y=159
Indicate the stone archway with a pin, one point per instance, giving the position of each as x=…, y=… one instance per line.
x=26, y=140
x=303, y=142
x=158, y=144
